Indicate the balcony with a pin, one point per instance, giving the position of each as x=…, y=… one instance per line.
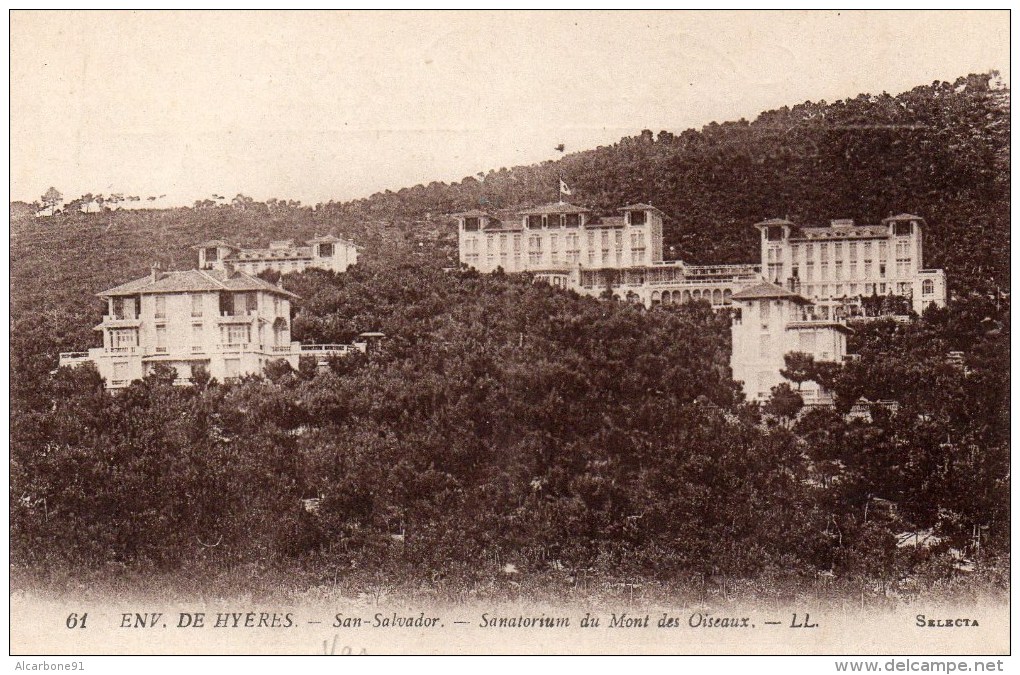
x=238, y=317
x=121, y=321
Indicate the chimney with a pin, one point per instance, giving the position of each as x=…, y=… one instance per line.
x=228, y=268
x=154, y=270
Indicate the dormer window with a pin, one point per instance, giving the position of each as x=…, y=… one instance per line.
x=573, y=220
x=471, y=224
x=902, y=228
x=326, y=250
x=211, y=255
x=534, y=222
x=637, y=217
x=774, y=233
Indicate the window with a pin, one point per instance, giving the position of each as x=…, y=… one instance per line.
x=852, y=246
x=823, y=252
x=764, y=345
x=470, y=225
x=902, y=229
x=823, y=271
x=794, y=252
x=326, y=250
x=197, y=335
x=535, y=249
x=637, y=217
x=503, y=245
x=211, y=255
x=237, y=335
x=763, y=310
x=838, y=291
x=554, y=248
x=881, y=289
x=124, y=308
x=534, y=222
x=123, y=338
x=120, y=372
x=881, y=270
x=774, y=233
x=160, y=311
x=573, y=220
x=160, y=338
x=927, y=287
x=883, y=251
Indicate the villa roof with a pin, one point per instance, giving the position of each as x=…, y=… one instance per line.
x=902, y=216
x=214, y=242
x=194, y=281
x=472, y=213
x=773, y=221
x=640, y=206
x=328, y=239
x=767, y=289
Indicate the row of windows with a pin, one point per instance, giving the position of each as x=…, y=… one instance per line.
x=534, y=222
x=867, y=270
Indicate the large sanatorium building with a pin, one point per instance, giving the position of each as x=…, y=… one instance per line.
x=810, y=278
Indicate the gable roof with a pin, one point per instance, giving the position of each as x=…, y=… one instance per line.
x=195, y=281
x=766, y=289
x=214, y=242
x=640, y=206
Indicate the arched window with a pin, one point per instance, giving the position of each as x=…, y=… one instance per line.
x=927, y=287
x=687, y=296
x=696, y=294
x=726, y=295
x=717, y=297
x=655, y=297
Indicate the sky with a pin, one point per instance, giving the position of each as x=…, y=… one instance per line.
x=332, y=105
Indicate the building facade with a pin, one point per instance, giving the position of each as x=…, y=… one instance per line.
x=228, y=322
x=284, y=256
x=842, y=267
x=846, y=270
x=771, y=321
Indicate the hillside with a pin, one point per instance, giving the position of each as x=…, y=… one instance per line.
x=503, y=422
x=941, y=151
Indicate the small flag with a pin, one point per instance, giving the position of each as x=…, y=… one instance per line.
x=564, y=190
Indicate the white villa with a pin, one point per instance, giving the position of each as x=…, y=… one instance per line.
x=228, y=322
x=329, y=252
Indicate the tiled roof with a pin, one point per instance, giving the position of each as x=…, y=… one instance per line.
x=638, y=207
x=214, y=242
x=473, y=213
x=766, y=289
x=194, y=281
x=554, y=208
x=329, y=239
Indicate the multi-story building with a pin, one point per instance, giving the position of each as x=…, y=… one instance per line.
x=572, y=247
x=329, y=252
x=841, y=266
x=556, y=238
x=770, y=322
x=228, y=322
x=845, y=269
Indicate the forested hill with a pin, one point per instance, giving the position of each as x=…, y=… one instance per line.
x=941, y=151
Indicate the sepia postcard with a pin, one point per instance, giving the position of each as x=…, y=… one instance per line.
x=510, y=333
